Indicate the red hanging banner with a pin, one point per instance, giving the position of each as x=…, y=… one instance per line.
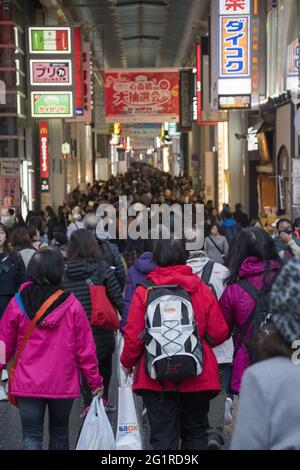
x=44, y=155
x=142, y=95
x=78, y=72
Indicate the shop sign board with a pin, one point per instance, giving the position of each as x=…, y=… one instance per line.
x=51, y=104
x=50, y=73
x=54, y=40
x=9, y=167
x=234, y=47
x=44, y=155
x=44, y=149
x=234, y=7
x=186, y=99
x=142, y=95
x=235, y=102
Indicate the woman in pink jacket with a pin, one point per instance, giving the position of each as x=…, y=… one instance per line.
x=252, y=257
x=60, y=347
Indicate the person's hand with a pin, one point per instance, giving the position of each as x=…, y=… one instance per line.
x=285, y=237
x=126, y=371
x=98, y=392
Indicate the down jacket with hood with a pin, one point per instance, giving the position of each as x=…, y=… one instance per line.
x=60, y=348
x=136, y=274
x=208, y=317
x=237, y=305
x=76, y=277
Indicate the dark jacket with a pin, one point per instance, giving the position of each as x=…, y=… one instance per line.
x=241, y=218
x=12, y=275
x=136, y=274
x=100, y=273
x=110, y=253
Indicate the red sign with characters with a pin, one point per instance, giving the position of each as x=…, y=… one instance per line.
x=44, y=150
x=234, y=7
x=142, y=95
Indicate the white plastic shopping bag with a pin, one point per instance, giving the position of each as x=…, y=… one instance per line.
x=96, y=433
x=122, y=378
x=128, y=430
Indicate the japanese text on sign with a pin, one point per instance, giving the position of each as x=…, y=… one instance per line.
x=56, y=73
x=150, y=95
x=234, y=47
x=142, y=92
x=234, y=7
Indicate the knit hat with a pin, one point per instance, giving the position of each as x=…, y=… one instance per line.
x=285, y=301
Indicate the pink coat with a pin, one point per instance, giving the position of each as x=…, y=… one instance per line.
x=236, y=305
x=59, y=349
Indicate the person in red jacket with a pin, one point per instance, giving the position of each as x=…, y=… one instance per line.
x=181, y=413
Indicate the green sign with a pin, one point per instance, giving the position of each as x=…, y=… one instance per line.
x=52, y=104
x=49, y=39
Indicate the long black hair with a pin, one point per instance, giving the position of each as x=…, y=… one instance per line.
x=254, y=242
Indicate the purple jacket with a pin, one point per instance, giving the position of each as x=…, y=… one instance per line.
x=60, y=348
x=237, y=305
x=136, y=274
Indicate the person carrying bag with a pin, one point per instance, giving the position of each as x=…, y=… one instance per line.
x=94, y=284
x=103, y=313
x=42, y=310
x=47, y=332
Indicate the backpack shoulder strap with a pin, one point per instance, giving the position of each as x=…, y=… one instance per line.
x=147, y=284
x=207, y=271
x=216, y=246
x=256, y=295
x=250, y=289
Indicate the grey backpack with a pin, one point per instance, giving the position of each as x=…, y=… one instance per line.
x=172, y=346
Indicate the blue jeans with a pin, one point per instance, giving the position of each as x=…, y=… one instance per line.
x=32, y=413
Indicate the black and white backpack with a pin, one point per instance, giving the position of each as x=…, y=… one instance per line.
x=172, y=347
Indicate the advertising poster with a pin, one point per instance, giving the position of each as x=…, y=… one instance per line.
x=142, y=95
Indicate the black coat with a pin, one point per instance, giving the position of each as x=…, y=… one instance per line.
x=75, y=280
x=12, y=274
